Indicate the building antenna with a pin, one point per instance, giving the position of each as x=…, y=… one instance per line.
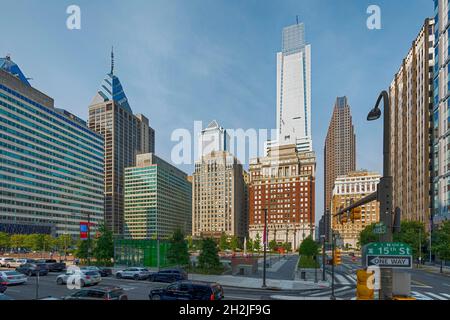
x=297, y=18
x=112, y=60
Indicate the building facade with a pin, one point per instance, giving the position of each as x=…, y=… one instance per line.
x=351, y=188
x=157, y=199
x=213, y=138
x=440, y=115
x=51, y=164
x=411, y=139
x=284, y=184
x=339, y=152
x=294, y=90
x=126, y=135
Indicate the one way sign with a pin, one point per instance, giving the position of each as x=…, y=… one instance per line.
x=397, y=262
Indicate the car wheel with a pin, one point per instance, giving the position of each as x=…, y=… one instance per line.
x=60, y=281
x=150, y=278
x=136, y=277
x=119, y=276
x=8, y=266
x=82, y=283
x=156, y=297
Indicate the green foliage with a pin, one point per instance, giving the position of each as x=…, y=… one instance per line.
x=82, y=251
x=17, y=241
x=4, y=240
x=412, y=233
x=257, y=243
x=103, y=249
x=178, y=253
x=309, y=247
x=287, y=246
x=273, y=245
x=234, y=243
x=307, y=262
x=250, y=244
x=209, y=256
x=367, y=236
x=223, y=242
x=441, y=244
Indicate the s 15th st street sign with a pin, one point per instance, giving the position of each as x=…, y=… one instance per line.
x=389, y=255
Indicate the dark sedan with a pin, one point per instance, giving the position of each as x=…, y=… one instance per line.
x=33, y=269
x=188, y=290
x=168, y=276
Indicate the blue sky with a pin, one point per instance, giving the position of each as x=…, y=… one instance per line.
x=186, y=60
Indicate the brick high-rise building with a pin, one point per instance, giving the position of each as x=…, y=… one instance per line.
x=339, y=153
x=126, y=135
x=284, y=184
x=411, y=108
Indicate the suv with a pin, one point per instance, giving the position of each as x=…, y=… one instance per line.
x=83, y=277
x=53, y=265
x=32, y=269
x=6, y=262
x=99, y=293
x=169, y=275
x=133, y=273
x=104, y=272
x=188, y=290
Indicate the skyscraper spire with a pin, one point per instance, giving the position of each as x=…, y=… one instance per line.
x=112, y=60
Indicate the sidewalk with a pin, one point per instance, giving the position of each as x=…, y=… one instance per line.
x=256, y=283
x=434, y=269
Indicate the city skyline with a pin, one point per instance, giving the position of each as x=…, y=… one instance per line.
x=157, y=86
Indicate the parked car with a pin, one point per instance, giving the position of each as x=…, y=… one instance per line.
x=188, y=290
x=53, y=265
x=99, y=293
x=169, y=275
x=33, y=269
x=133, y=273
x=8, y=277
x=6, y=262
x=104, y=272
x=18, y=262
x=85, y=278
x=5, y=297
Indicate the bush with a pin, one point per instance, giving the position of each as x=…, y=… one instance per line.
x=307, y=263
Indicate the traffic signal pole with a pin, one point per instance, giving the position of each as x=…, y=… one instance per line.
x=333, y=248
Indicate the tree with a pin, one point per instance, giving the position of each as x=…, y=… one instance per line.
x=223, y=242
x=178, y=252
x=209, y=255
x=249, y=245
x=64, y=242
x=32, y=242
x=412, y=233
x=190, y=243
x=273, y=245
x=367, y=235
x=4, y=240
x=257, y=243
x=309, y=247
x=287, y=246
x=17, y=241
x=103, y=250
x=442, y=242
x=82, y=249
x=234, y=243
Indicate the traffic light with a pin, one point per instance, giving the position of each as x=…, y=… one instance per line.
x=355, y=214
x=364, y=285
x=343, y=218
x=337, y=257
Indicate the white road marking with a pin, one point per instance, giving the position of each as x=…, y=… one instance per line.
x=435, y=296
x=239, y=297
x=420, y=296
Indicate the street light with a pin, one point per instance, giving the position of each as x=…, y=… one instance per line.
x=384, y=191
x=323, y=258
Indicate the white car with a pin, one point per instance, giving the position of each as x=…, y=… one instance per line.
x=18, y=262
x=12, y=277
x=83, y=277
x=133, y=273
x=6, y=262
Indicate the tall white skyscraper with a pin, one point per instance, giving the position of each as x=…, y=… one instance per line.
x=294, y=90
x=213, y=138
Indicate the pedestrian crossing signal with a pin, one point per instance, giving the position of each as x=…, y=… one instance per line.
x=355, y=214
x=337, y=257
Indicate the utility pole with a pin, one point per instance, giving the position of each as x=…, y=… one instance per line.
x=89, y=239
x=333, y=245
x=37, y=283
x=420, y=248
x=265, y=248
x=323, y=258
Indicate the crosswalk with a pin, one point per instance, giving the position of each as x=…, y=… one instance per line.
x=430, y=295
x=344, y=278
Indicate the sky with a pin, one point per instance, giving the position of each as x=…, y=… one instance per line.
x=181, y=61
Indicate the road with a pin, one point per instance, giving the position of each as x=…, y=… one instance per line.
x=425, y=285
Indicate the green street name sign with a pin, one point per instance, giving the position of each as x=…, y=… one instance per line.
x=388, y=249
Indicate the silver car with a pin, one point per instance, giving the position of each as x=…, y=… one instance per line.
x=12, y=277
x=133, y=273
x=6, y=262
x=83, y=277
x=18, y=262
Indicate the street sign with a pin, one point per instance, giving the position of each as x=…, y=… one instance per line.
x=388, y=248
x=388, y=255
x=390, y=261
x=380, y=228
